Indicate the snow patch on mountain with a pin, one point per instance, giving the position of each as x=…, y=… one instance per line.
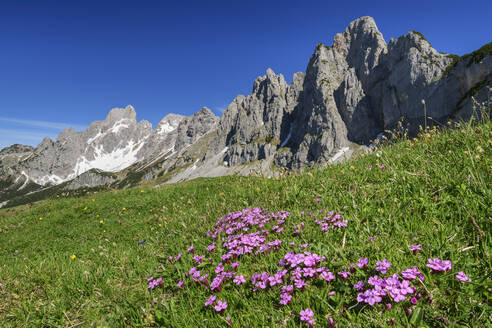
x=25, y=182
x=49, y=179
x=114, y=161
x=94, y=138
x=165, y=128
x=118, y=126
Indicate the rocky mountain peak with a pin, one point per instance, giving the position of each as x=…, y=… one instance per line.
x=362, y=45
x=270, y=84
x=190, y=129
x=204, y=111
x=16, y=148
x=169, y=123
x=117, y=114
x=66, y=134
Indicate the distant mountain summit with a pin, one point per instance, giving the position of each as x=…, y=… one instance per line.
x=350, y=93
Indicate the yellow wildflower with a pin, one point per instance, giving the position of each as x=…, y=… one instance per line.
x=40, y=219
x=73, y=257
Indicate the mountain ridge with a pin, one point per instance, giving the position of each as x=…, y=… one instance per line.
x=350, y=94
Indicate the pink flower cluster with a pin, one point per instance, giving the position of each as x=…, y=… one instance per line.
x=412, y=273
x=362, y=262
x=462, y=277
x=383, y=266
x=153, y=283
x=332, y=220
x=263, y=280
x=250, y=231
x=219, y=306
x=437, y=264
x=307, y=316
x=392, y=286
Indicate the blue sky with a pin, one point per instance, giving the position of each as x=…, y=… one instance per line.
x=67, y=63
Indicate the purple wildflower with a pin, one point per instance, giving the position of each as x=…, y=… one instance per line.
x=221, y=306
x=198, y=259
x=309, y=272
x=238, y=280
x=439, y=265
x=287, y=289
x=275, y=280
x=219, y=268
x=362, y=263
x=370, y=297
x=210, y=300
x=412, y=273
x=415, y=248
x=359, y=285
x=300, y=283
x=211, y=248
x=383, y=266
x=463, y=277
x=196, y=276
x=344, y=274
x=307, y=316
x=340, y=223
x=285, y=298
x=328, y=276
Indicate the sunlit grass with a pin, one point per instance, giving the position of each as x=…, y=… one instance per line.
x=82, y=261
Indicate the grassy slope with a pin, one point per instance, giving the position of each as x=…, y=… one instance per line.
x=435, y=192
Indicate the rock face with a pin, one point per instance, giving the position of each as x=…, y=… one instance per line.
x=193, y=127
x=16, y=149
x=90, y=179
x=109, y=146
x=10, y=156
x=350, y=93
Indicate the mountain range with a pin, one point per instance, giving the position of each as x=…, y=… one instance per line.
x=351, y=93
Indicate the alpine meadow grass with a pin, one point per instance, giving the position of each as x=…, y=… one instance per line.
x=398, y=237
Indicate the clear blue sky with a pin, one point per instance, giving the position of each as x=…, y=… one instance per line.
x=68, y=63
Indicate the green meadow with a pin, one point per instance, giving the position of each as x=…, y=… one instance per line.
x=85, y=261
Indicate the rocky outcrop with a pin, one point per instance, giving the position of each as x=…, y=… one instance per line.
x=16, y=150
x=11, y=156
x=351, y=92
x=193, y=127
x=90, y=179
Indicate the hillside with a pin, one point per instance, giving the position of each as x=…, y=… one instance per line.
x=85, y=261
